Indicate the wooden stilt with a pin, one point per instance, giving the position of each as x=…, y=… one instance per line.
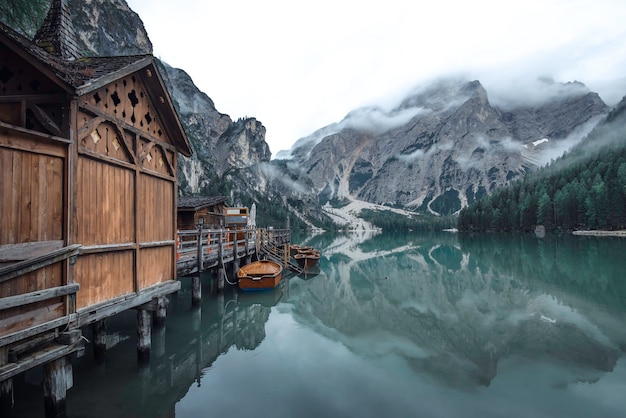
x=161, y=313
x=6, y=387
x=99, y=330
x=196, y=318
x=55, y=387
x=159, y=341
x=143, y=335
x=196, y=291
x=221, y=279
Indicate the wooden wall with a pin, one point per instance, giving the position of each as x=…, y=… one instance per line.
x=31, y=188
x=125, y=194
x=31, y=210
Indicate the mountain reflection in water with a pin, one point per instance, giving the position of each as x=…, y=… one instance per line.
x=436, y=325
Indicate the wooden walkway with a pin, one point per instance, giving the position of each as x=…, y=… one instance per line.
x=203, y=249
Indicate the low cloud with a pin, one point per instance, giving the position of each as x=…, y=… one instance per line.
x=516, y=93
x=273, y=173
x=375, y=119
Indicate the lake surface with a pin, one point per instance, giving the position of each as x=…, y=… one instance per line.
x=394, y=325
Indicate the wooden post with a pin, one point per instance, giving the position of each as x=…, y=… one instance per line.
x=6, y=387
x=55, y=387
x=285, y=255
x=161, y=312
x=196, y=318
x=235, y=265
x=143, y=335
x=199, y=255
x=196, y=290
x=99, y=331
x=159, y=341
x=220, y=264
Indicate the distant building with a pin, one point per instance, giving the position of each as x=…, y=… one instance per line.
x=208, y=210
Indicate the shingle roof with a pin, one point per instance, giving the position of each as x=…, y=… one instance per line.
x=56, y=34
x=84, y=74
x=198, y=202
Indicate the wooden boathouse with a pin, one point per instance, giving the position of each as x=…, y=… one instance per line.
x=88, y=198
x=201, y=210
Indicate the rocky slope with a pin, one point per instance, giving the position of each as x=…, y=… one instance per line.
x=443, y=146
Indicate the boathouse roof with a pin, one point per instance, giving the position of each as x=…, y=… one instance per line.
x=194, y=203
x=54, y=52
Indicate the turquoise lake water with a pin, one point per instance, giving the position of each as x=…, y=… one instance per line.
x=394, y=325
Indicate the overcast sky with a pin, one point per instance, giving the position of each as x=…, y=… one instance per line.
x=298, y=66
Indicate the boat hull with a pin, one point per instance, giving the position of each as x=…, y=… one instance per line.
x=259, y=276
x=307, y=261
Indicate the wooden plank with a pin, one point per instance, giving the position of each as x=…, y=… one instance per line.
x=112, y=307
x=38, y=358
x=94, y=249
x=100, y=157
x=36, y=329
x=23, y=267
x=38, y=296
x=156, y=244
x=24, y=196
x=57, y=192
x=6, y=165
x=26, y=250
x=23, y=139
x=18, y=319
x=16, y=186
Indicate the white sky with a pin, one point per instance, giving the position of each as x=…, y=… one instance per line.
x=299, y=66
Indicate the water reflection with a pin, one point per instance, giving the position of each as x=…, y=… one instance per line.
x=453, y=308
x=393, y=325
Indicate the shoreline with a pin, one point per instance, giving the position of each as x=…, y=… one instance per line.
x=602, y=233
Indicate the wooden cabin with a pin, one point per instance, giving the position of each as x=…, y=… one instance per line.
x=88, y=192
x=208, y=210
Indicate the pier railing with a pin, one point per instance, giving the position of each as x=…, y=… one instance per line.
x=204, y=248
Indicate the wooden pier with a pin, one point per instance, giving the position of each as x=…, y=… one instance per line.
x=89, y=150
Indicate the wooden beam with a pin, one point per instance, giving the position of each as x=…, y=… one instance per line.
x=32, y=297
x=94, y=249
x=89, y=127
x=95, y=313
x=26, y=250
x=45, y=120
x=101, y=157
x=34, y=134
x=157, y=244
x=38, y=358
x=37, y=329
x=23, y=267
x=127, y=144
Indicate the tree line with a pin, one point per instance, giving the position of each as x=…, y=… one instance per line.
x=577, y=191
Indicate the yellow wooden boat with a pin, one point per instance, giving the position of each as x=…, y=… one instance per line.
x=259, y=275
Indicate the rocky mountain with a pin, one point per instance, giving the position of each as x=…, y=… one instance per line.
x=443, y=146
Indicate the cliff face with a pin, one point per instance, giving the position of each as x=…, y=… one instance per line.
x=221, y=146
x=443, y=146
x=109, y=27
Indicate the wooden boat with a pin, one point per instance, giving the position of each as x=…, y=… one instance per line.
x=259, y=275
x=307, y=260
x=294, y=249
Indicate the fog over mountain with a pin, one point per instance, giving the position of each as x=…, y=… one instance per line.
x=446, y=143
